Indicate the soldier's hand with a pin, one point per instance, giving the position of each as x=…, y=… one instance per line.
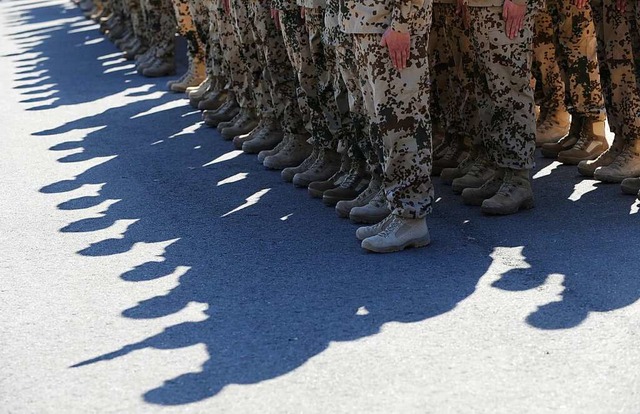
x=275, y=15
x=226, y=5
x=399, y=45
x=580, y=3
x=513, y=15
x=621, y=5
x=302, y=12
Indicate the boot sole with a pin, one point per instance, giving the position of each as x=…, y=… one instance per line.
x=629, y=190
x=368, y=219
x=550, y=154
x=332, y=201
x=527, y=204
x=417, y=243
x=575, y=161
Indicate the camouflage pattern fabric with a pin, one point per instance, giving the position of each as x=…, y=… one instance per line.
x=133, y=9
x=279, y=74
x=617, y=38
x=400, y=124
x=161, y=24
x=233, y=61
x=565, y=51
x=506, y=118
x=187, y=29
x=314, y=65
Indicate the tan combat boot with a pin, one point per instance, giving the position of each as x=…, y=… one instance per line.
x=447, y=175
x=293, y=153
x=343, y=208
x=374, y=211
x=451, y=155
x=369, y=231
x=630, y=186
x=226, y=112
x=626, y=165
x=246, y=123
x=288, y=173
x=286, y=138
x=476, y=196
x=552, y=128
x=479, y=173
x=164, y=65
x=266, y=139
x=591, y=144
x=317, y=188
x=265, y=127
x=197, y=93
x=193, y=77
x=588, y=167
x=551, y=150
x=226, y=124
x=399, y=234
x=355, y=182
x=327, y=164
x=211, y=100
x=514, y=194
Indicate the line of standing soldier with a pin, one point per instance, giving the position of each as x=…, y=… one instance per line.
x=340, y=94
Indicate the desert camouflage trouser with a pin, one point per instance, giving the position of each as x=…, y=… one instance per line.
x=161, y=25
x=619, y=53
x=346, y=78
x=506, y=118
x=253, y=61
x=233, y=62
x=397, y=103
x=314, y=63
x=133, y=10
x=279, y=75
x=452, y=62
x=565, y=54
x=187, y=29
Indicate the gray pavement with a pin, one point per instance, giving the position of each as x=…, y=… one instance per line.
x=147, y=267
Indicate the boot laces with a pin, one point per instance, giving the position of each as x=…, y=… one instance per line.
x=350, y=180
x=478, y=168
x=391, y=228
x=508, y=186
x=369, y=191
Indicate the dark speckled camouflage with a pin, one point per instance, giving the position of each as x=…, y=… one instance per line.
x=187, y=29
x=565, y=52
x=400, y=124
x=619, y=65
x=314, y=63
x=506, y=119
x=161, y=24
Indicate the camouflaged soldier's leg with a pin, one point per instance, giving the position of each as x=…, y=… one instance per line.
x=473, y=168
x=577, y=46
x=236, y=71
x=195, y=49
x=400, y=123
x=554, y=117
x=162, y=24
x=448, y=79
x=307, y=56
x=616, y=33
x=278, y=72
x=324, y=61
x=506, y=109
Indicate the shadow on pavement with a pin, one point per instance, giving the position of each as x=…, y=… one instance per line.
x=282, y=277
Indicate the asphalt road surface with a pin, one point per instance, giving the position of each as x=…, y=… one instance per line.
x=146, y=266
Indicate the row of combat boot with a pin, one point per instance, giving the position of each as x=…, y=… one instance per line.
x=332, y=177
x=582, y=142
x=471, y=174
